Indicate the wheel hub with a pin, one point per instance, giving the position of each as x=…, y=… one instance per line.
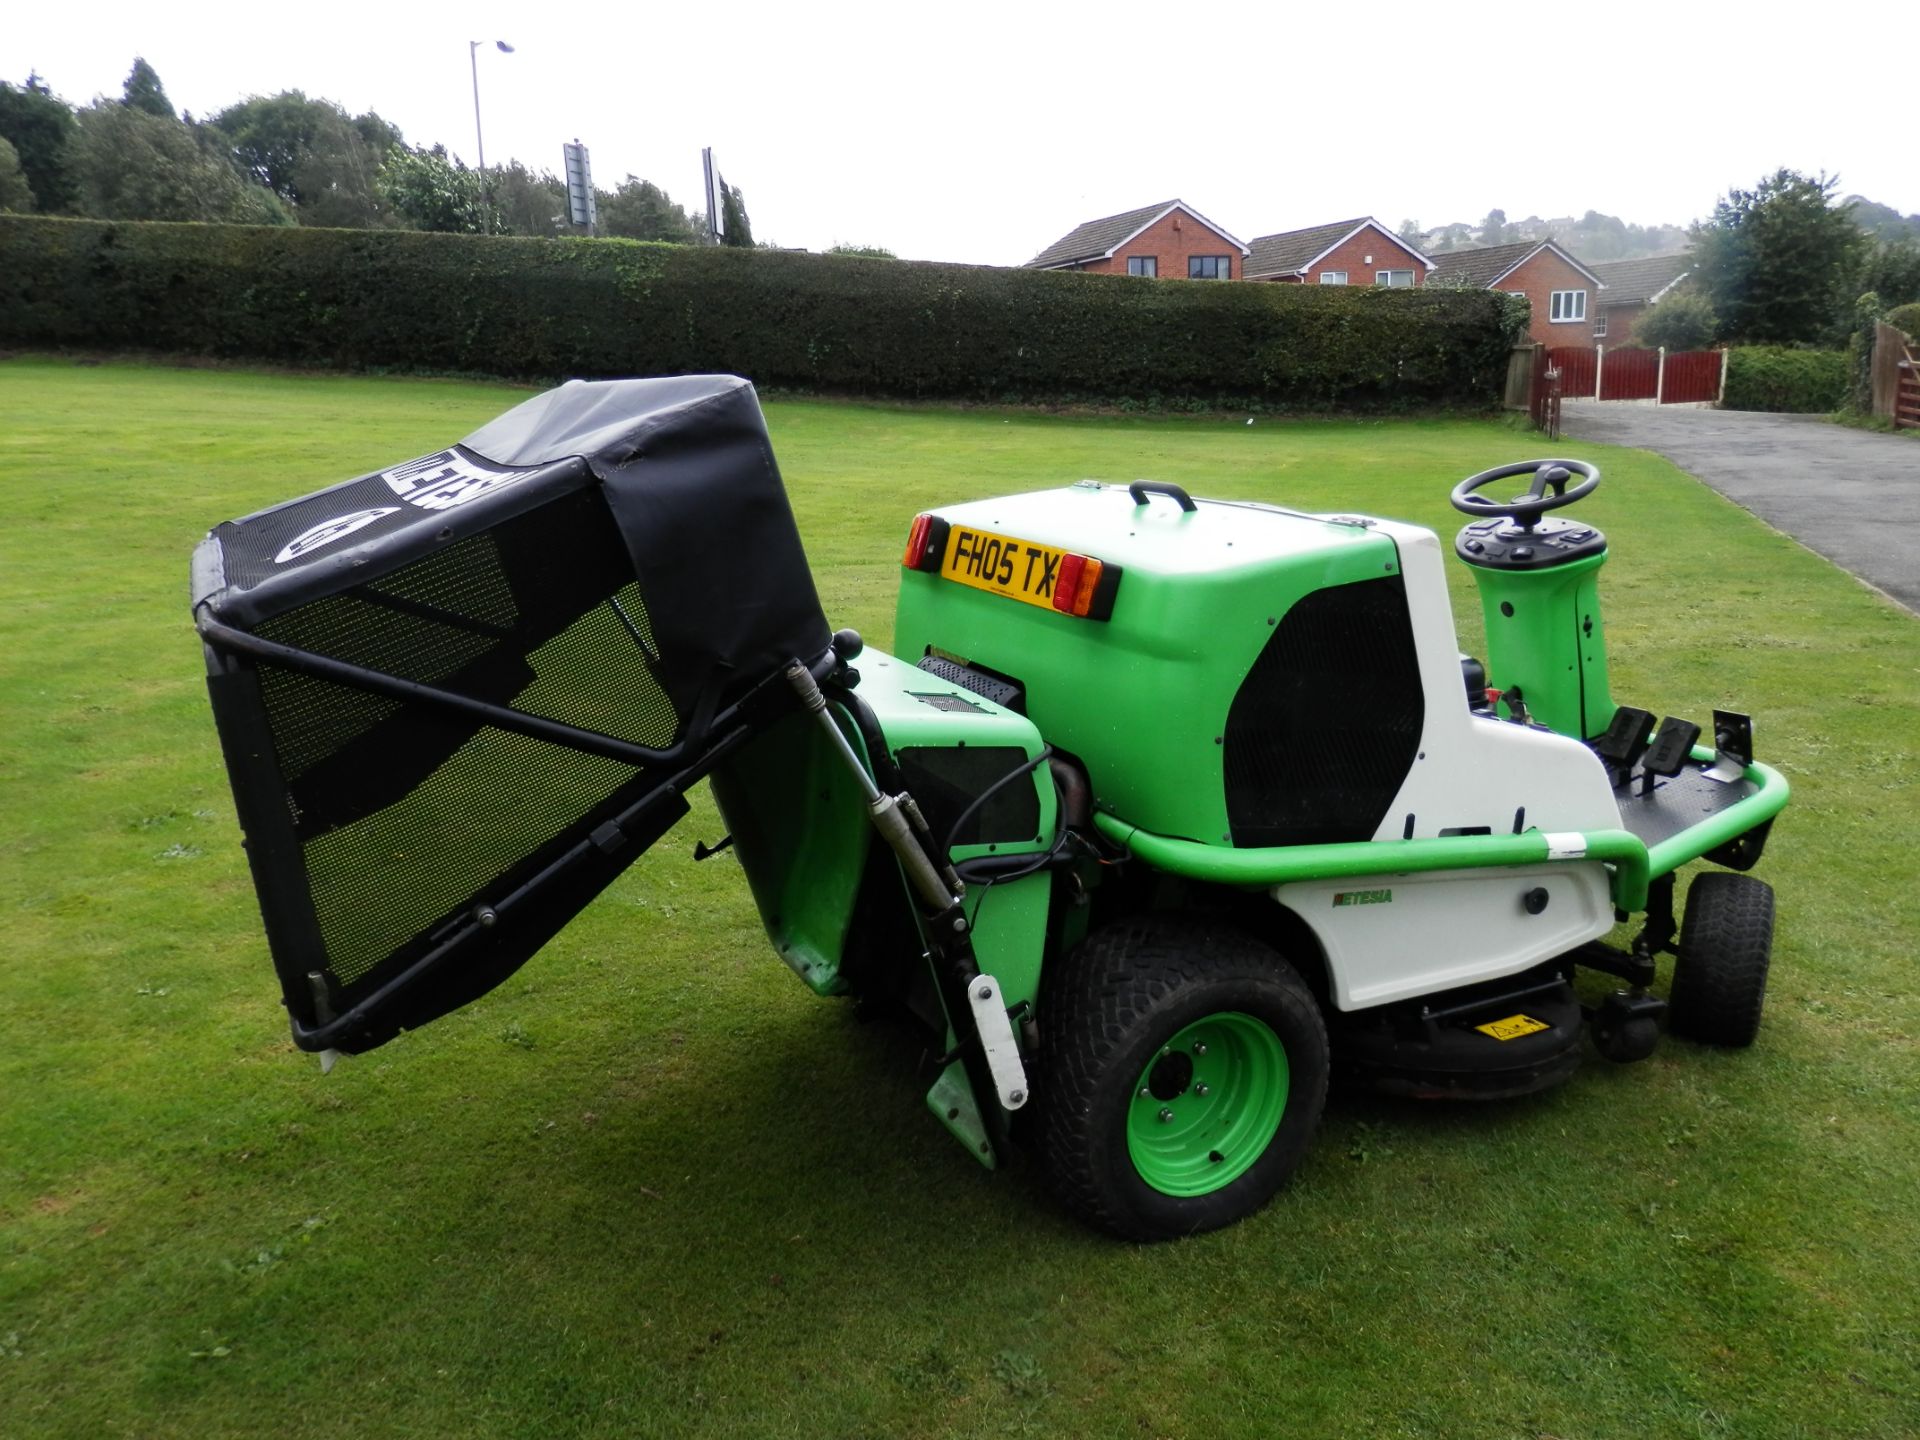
x=1208, y=1104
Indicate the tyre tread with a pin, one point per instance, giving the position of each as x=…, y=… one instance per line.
x=1720, y=971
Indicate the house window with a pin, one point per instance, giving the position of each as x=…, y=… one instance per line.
x=1600, y=326
x=1148, y=265
x=1209, y=267
x=1398, y=279
x=1567, y=305
x=1333, y=277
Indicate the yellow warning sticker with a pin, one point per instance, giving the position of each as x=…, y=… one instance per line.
x=1513, y=1027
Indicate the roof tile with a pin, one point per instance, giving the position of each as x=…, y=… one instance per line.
x=1634, y=282
x=1287, y=252
x=1095, y=238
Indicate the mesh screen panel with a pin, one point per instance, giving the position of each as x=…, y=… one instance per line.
x=408, y=815
x=1327, y=722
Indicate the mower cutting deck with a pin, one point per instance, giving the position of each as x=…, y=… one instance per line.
x=1165, y=810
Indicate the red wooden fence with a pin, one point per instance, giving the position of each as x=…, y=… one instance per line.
x=1692, y=375
x=1577, y=366
x=1630, y=375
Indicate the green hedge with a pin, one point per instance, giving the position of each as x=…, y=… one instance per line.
x=544, y=308
x=1801, y=382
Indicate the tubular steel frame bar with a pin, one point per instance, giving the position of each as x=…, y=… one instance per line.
x=1634, y=864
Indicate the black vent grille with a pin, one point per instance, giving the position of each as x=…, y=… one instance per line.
x=1327, y=723
x=944, y=781
x=1007, y=694
x=407, y=815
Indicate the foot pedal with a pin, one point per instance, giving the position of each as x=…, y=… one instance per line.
x=1733, y=746
x=1623, y=744
x=1671, y=749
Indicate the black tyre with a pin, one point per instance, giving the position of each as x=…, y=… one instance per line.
x=1185, y=1072
x=1720, y=970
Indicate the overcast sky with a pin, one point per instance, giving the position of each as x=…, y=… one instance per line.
x=984, y=132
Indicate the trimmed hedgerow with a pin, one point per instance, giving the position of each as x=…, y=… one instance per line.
x=545, y=308
x=1800, y=382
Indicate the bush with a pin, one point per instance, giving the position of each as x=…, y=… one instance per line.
x=1860, y=342
x=1907, y=318
x=1799, y=382
x=1680, y=322
x=540, y=308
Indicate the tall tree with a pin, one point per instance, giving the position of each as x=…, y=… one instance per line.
x=1891, y=269
x=143, y=91
x=313, y=155
x=38, y=124
x=1493, y=229
x=431, y=190
x=527, y=202
x=641, y=210
x=1413, y=233
x=130, y=165
x=733, y=217
x=16, y=196
x=1777, y=262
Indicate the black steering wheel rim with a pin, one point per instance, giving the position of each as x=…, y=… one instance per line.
x=1547, y=475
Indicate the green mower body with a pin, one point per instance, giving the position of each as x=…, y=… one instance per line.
x=1163, y=812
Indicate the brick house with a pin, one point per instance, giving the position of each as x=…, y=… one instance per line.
x=1631, y=286
x=1170, y=240
x=1563, y=291
x=1347, y=252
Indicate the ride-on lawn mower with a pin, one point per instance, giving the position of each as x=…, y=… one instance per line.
x=1163, y=810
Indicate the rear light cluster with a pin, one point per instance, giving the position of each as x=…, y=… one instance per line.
x=1070, y=583
x=1079, y=582
x=926, y=543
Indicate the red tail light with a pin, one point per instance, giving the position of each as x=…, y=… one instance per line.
x=916, y=541
x=1066, y=586
x=1078, y=585
x=926, y=543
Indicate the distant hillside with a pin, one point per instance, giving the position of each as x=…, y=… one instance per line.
x=1591, y=237
x=1607, y=237
x=1883, y=220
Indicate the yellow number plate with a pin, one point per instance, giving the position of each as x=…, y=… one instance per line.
x=1018, y=569
x=1513, y=1027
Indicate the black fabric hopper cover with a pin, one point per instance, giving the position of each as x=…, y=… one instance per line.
x=459, y=694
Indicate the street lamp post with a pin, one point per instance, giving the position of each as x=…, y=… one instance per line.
x=473, y=62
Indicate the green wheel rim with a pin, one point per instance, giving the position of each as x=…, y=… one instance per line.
x=1207, y=1105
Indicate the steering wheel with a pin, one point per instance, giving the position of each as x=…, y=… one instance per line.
x=1527, y=508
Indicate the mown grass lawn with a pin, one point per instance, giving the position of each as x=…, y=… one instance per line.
x=652, y=1187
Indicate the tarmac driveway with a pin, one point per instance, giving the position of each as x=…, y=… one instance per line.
x=1850, y=495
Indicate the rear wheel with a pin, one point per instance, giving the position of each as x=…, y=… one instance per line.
x=1185, y=1074
x=1720, y=968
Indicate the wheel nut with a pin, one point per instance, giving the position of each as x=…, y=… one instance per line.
x=1166, y=1113
x=1203, y=1089
x=1145, y=1092
x=1199, y=1047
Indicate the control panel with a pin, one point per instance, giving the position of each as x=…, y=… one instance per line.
x=1500, y=544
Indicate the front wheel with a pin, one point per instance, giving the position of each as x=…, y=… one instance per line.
x=1186, y=1070
x=1720, y=967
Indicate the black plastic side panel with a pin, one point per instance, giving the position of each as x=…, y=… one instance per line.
x=1327, y=723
